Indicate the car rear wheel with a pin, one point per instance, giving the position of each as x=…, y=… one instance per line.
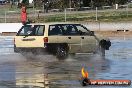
x=16, y=50
x=61, y=52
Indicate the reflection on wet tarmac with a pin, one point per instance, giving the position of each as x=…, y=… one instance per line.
x=40, y=71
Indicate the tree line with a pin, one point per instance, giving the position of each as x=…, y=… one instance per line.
x=61, y=4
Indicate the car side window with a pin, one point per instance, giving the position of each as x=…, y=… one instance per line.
x=39, y=30
x=70, y=30
x=55, y=30
x=82, y=30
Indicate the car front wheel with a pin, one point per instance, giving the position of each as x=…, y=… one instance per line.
x=102, y=51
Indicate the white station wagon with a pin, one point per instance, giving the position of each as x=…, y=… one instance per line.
x=60, y=39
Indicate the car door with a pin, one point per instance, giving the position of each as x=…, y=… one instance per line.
x=30, y=36
x=55, y=34
x=88, y=41
x=62, y=33
x=74, y=39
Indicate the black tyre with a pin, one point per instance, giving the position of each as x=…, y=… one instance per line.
x=16, y=50
x=61, y=52
x=102, y=47
x=102, y=51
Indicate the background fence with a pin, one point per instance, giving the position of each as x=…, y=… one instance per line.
x=105, y=14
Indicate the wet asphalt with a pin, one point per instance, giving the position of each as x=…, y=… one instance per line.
x=39, y=71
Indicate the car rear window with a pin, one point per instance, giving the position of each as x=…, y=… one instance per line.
x=31, y=30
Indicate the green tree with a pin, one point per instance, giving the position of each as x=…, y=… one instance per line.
x=61, y=4
x=26, y=2
x=99, y=3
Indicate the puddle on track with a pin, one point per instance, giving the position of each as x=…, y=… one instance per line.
x=17, y=71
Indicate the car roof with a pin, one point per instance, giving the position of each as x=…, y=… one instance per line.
x=52, y=23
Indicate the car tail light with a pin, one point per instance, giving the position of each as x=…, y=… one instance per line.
x=45, y=39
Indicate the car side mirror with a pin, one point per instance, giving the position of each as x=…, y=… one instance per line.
x=92, y=33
